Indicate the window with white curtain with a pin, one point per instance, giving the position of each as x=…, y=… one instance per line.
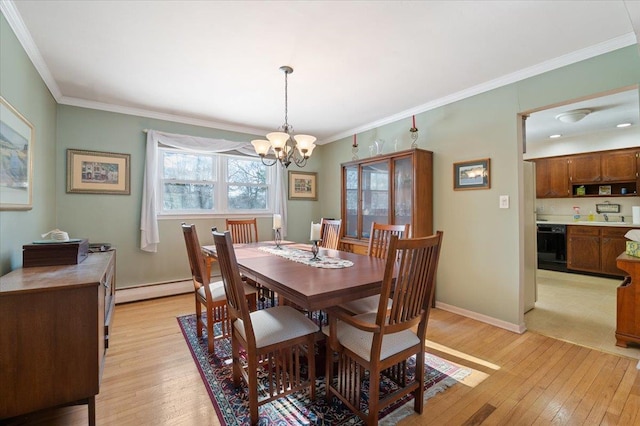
x=204, y=183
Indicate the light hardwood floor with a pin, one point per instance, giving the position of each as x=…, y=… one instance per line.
x=151, y=379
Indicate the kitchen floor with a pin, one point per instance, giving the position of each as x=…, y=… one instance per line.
x=579, y=309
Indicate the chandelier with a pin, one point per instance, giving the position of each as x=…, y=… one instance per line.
x=286, y=149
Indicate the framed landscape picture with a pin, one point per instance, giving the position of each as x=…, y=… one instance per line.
x=16, y=159
x=93, y=172
x=303, y=186
x=474, y=174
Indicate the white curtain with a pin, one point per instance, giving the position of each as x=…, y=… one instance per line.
x=149, y=234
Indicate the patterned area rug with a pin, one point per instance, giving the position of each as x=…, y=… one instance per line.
x=296, y=409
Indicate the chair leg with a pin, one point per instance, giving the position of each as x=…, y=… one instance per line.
x=374, y=397
x=252, y=368
x=237, y=363
x=198, y=318
x=311, y=360
x=210, y=336
x=418, y=395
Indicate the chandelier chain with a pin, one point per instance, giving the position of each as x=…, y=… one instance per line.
x=286, y=102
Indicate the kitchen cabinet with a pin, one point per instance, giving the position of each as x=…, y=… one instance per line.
x=552, y=177
x=628, y=302
x=595, y=248
x=583, y=248
x=586, y=168
x=560, y=177
x=55, y=333
x=617, y=169
x=395, y=188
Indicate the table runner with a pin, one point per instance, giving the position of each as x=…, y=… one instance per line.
x=304, y=256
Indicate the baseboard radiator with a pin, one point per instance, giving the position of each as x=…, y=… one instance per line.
x=153, y=291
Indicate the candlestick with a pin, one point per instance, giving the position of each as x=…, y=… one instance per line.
x=277, y=221
x=314, y=250
x=414, y=133
x=277, y=238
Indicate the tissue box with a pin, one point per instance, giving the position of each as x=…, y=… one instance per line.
x=63, y=253
x=633, y=248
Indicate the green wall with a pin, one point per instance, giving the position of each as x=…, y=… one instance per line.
x=116, y=218
x=22, y=87
x=481, y=261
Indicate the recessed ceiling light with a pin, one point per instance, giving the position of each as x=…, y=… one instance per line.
x=624, y=125
x=555, y=136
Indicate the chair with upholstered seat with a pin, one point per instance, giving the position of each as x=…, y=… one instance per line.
x=330, y=233
x=275, y=339
x=209, y=294
x=378, y=246
x=368, y=346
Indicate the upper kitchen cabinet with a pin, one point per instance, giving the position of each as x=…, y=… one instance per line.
x=395, y=188
x=552, y=177
x=608, y=173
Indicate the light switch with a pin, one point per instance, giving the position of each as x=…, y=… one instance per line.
x=504, y=201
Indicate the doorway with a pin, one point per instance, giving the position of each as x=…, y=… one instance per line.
x=570, y=306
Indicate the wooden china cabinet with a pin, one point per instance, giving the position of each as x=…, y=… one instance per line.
x=394, y=188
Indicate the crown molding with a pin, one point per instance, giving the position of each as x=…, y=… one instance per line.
x=140, y=112
x=550, y=65
x=16, y=23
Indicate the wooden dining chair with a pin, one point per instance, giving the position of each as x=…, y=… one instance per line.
x=330, y=233
x=209, y=295
x=243, y=231
x=379, y=239
x=378, y=344
x=275, y=339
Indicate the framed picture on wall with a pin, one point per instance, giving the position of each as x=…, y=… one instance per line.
x=16, y=159
x=475, y=174
x=93, y=172
x=303, y=186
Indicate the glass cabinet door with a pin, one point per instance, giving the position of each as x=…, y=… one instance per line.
x=351, y=200
x=403, y=190
x=374, y=184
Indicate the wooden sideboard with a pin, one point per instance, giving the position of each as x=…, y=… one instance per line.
x=628, y=312
x=54, y=333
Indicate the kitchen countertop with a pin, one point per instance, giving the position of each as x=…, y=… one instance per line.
x=586, y=223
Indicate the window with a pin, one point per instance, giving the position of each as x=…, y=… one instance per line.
x=201, y=183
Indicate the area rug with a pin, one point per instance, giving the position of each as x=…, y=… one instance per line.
x=232, y=405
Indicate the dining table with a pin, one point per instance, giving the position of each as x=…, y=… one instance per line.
x=336, y=278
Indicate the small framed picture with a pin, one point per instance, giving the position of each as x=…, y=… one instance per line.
x=604, y=190
x=303, y=186
x=474, y=174
x=93, y=172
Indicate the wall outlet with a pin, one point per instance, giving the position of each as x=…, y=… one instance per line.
x=504, y=201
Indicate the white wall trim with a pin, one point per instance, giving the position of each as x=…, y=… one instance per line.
x=482, y=318
x=152, y=291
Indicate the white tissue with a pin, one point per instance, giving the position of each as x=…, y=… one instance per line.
x=57, y=235
x=633, y=235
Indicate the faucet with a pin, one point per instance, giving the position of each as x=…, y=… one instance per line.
x=606, y=217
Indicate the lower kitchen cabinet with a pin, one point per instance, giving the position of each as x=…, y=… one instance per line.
x=595, y=248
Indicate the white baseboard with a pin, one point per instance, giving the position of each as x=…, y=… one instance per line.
x=482, y=318
x=151, y=291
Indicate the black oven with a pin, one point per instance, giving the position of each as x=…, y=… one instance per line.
x=552, y=247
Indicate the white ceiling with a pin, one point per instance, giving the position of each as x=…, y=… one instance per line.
x=357, y=64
